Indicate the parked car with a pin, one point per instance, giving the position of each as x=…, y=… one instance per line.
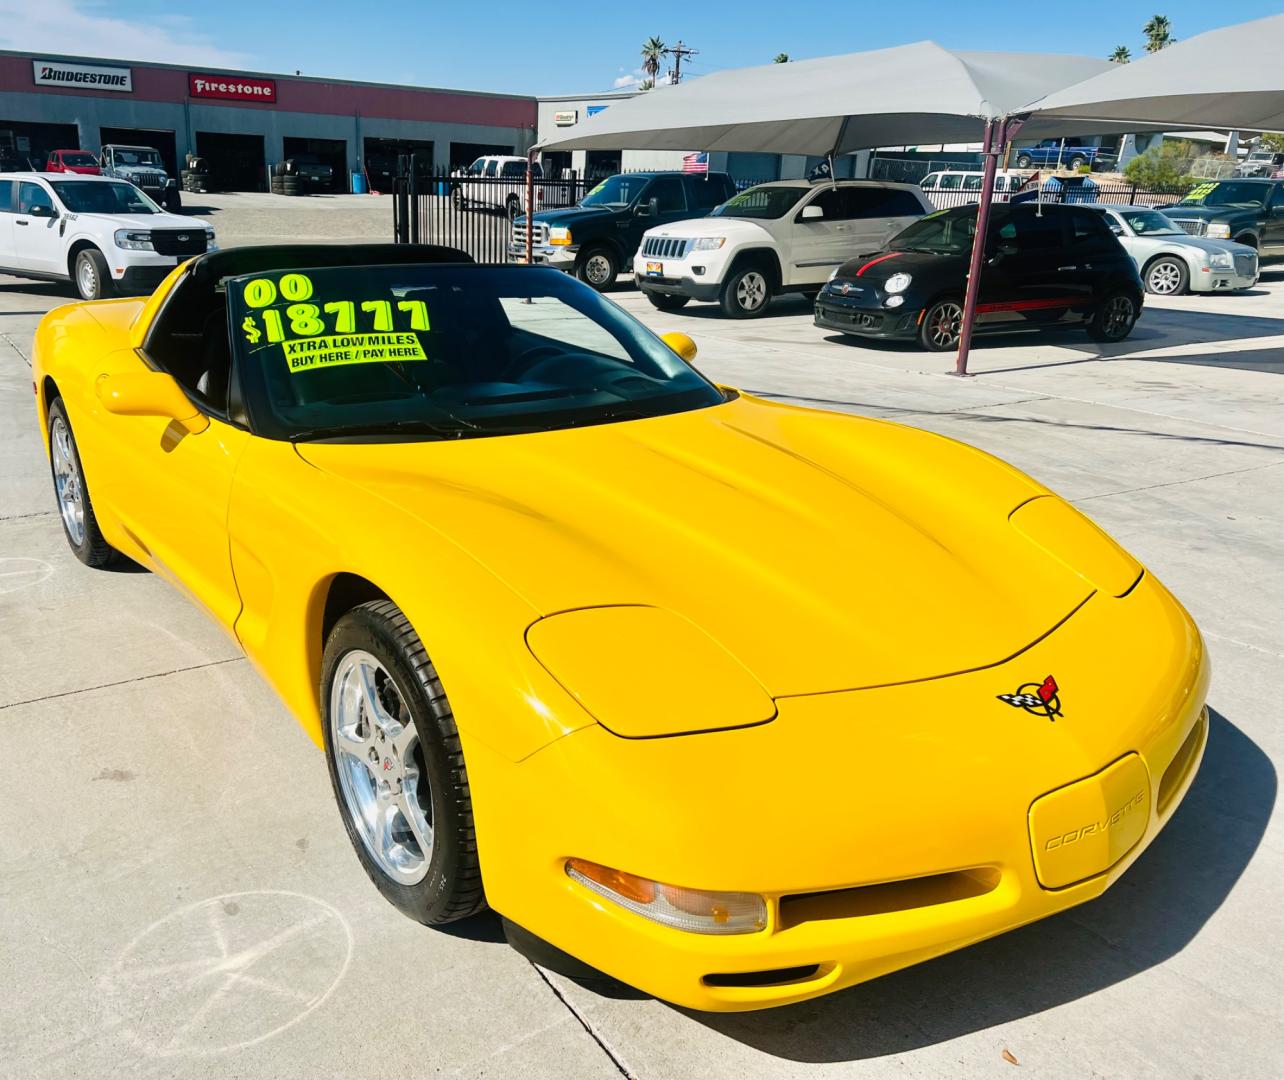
x=785, y=236
x=1045, y=266
x=499, y=183
x=1061, y=154
x=1247, y=211
x=1265, y=163
x=1171, y=262
x=596, y=239
x=958, y=187
x=310, y=170
x=142, y=166
x=73, y=161
x=104, y=235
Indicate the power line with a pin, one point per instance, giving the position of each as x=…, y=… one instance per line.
x=679, y=52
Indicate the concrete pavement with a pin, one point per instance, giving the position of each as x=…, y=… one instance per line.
x=179, y=899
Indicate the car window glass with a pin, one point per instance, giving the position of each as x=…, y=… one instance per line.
x=929, y=181
x=830, y=202
x=949, y=181
x=514, y=168
x=6, y=196
x=1088, y=228
x=900, y=204
x=667, y=190
x=477, y=167
x=1000, y=183
x=1038, y=232
x=549, y=317
x=491, y=167
x=971, y=183
x=32, y=195
x=705, y=193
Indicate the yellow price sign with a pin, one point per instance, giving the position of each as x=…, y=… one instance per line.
x=1199, y=192
x=339, y=350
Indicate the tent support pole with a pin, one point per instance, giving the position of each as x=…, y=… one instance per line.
x=838, y=142
x=995, y=136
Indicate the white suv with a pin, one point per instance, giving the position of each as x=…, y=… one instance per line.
x=104, y=235
x=785, y=236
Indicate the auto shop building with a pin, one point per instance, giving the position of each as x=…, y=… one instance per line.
x=243, y=122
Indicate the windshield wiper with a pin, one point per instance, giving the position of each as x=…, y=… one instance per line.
x=386, y=427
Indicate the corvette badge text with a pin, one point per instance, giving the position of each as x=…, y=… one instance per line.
x=1096, y=827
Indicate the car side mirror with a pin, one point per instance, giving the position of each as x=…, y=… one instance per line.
x=811, y=213
x=1001, y=252
x=680, y=344
x=150, y=393
x=643, y=209
x=42, y=211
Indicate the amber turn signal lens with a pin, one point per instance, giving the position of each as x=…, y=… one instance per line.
x=637, y=889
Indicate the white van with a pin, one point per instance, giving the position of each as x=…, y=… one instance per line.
x=958, y=187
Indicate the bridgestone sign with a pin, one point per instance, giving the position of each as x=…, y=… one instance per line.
x=49, y=73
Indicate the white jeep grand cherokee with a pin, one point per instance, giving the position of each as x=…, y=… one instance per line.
x=104, y=235
x=786, y=236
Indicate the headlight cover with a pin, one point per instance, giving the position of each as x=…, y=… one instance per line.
x=133, y=240
x=697, y=911
x=1218, y=230
x=1221, y=260
x=897, y=283
x=708, y=243
x=833, y=273
x=559, y=236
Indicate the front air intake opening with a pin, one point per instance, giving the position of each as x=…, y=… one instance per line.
x=888, y=896
x=774, y=977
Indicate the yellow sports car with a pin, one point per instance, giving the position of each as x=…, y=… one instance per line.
x=736, y=702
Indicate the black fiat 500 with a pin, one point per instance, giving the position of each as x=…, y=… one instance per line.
x=1044, y=266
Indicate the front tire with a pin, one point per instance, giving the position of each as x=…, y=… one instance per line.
x=457, y=199
x=92, y=276
x=1114, y=318
x=1024, y=161
x=747, y=293
x=598, y=268
x=1167, y=276
x=397, y=766
x=666, y=301
x=173, y=200
x=939, y=330
x=79, y=523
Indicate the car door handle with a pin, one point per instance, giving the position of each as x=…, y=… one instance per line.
x=21, y=222
x=1067, y=268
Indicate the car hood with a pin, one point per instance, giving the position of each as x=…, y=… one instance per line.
x=142, y=222
x=1199, y=243
x=875, y=267
x=822, y=550
x=1205, y=213
x=741, y=230
x=82, y=170
x=573, y=215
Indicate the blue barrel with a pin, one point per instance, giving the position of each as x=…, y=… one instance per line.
x=359, y=183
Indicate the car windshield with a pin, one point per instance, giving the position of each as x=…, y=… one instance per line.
x=80, y=161
x=616, y=191
x=1229, y=193
x=1149, y=223
x=137, y=157
x=444, y=352
x=947, y=232
x=761, y=202
x=97, y=197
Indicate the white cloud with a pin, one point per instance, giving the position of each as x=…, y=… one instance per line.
x=80, y=28
x=626, y=80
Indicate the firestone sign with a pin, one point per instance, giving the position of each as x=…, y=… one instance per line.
x=232, y=88
x=96, y=76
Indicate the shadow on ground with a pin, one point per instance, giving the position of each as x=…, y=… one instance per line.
x=1149, y=916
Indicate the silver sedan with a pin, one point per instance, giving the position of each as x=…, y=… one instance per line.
x=1170, y=262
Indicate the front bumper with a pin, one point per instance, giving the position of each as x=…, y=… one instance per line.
x=686, y=285
x=897, y=324
x=1208, y=280
x=559, y=258
x=884, y=826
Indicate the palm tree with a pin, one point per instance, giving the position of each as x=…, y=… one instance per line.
x=1158, y=33
x=652, y=57
x=781, y=58
x=1121, y=55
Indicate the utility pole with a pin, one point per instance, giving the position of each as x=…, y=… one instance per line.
x=678, y=52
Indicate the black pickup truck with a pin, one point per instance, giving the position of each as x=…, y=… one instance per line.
x=597, y=239
x=1248, y=211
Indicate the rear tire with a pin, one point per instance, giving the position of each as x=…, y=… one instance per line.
x=1114, y=318
x=1077, y=162
x=397, y=767
x=939, y=330
x=457, y=199
x=92, y=277
x=747, y=292
x=79, y=524
x=1167, y=276
x=666, y=302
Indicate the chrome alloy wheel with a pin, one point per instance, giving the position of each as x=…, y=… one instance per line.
x=1118, y=316
x=751, y=292
x=597, y=268
x=86, y=277
x=1164, y=277
x=67, y=482
x=946, y=321
x=380, y=766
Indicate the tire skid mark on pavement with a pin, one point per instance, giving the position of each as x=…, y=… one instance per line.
x=123, y=682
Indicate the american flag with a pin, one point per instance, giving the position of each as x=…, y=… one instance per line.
x=695, y=163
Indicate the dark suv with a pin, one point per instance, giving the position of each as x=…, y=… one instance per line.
x=1044, y=267
x=1247, y=211
x=597, y=239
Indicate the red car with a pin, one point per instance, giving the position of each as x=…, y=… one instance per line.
x=73, y=161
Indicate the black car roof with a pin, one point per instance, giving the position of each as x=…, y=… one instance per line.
x=216, y=265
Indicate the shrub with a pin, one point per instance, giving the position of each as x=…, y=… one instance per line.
x=1163, y=166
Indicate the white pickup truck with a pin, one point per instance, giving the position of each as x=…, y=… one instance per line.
x=786, y=236
x=103, y=235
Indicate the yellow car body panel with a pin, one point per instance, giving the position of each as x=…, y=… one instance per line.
x=873, y=592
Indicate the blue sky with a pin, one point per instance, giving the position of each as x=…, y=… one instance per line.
x=566, y=46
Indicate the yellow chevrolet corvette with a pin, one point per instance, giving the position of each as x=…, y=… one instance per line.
x=736, y=702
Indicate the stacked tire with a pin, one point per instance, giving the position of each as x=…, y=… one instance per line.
x=196, y=177
x=285, y=183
